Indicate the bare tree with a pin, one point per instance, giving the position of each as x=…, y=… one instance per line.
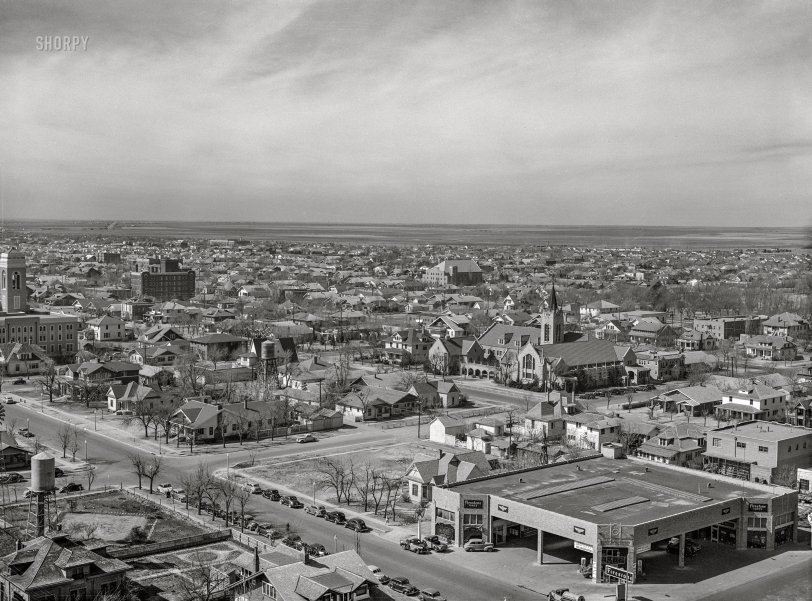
x=201, y=581
x=242, y=497
x=64, y=435
x=151, y=470
x=189, y=375
x=11, y=425
x=91, y=477
x=333, y=476
x=142, y=413
x=47, y=378
x=137, y=460
x=364, y=483
x=228, y=491
x=196, y=484
x=392, y=485
x=74, y=444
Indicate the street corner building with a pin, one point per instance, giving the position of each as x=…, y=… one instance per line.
x=613, y=510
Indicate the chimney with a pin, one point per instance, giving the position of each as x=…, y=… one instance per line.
x=441, y=453
x=18, y=545
x=245, y=402
x=256, y=559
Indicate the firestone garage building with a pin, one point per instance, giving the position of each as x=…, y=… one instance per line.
x=615, y=509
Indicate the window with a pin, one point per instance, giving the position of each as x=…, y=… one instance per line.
x=717, y=442
x=741, y=445
x=473, y=519
x=268, y=590
x=445, y=514
x=762, y=449
x=415, y=490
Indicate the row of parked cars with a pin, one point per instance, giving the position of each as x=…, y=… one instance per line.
x=617, y=391
x=402, y=585
x=15, y=477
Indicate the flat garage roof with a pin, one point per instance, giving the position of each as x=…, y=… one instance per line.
x=603, y=490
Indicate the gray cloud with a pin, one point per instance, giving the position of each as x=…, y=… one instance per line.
x=516, y=112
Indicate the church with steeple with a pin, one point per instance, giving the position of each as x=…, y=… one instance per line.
x=551, y=321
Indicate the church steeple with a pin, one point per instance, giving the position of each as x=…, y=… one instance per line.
x=553, y=299
x=552, y=321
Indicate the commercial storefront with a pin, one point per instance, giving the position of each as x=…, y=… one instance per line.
x=614, y=510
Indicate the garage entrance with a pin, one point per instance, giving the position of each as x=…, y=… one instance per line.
x=505, y=532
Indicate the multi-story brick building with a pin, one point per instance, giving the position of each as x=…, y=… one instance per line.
x=758, y=450
x=464, y=272
x=162, y=279
x=57, y=334
x=725, y=328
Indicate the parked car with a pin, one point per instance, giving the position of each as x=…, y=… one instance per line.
x=400, y=584
x=271, y=533
x=307, y=438
x=28, y=434
x=58, y=473
x=691, y=547
x=563, y=594
x=10, y=401
x=431, y=595
x=378, y=573
x=356, y=524
x=179, y=495
x=286, y=500
x=11, y=478
x=318, y=511
x=124, y=412
x=19, y=381
x=252, y=527
x=271, y=494
x=293, y=541
x=415, y=545
x=165, y=488
x=71, y=487
x=253, y=487
x=435, y=543
x=316, y=550
x=477, y=544
x=337, y=517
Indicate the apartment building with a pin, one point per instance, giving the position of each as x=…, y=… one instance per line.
x=162, y=279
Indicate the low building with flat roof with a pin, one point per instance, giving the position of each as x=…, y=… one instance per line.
x=615, y=509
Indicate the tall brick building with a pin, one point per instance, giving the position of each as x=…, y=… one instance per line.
x=162, y=279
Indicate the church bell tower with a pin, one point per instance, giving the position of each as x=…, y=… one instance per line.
x=552, y=321
x=13, y=291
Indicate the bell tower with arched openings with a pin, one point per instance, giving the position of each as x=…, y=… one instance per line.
x=13, y=291
x=552, y=321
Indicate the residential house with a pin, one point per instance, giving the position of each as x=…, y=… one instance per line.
x=448, y=468
x=693, y=340
x=437, y=393
x=591, y=430
x=696, y=401
x=653, y=332
x=450, y=326
x=662, y=365
x=545, y=421
x=132, y=396
x=774, y=348
x=408, y=347
x=786, y=324
x=22, y=359
x=218, y=347
x=342, y=576
x=448, y=430
x=599, y=307
x=107, y=329
x=163, y=334
x=158, y=356
x=756, y=402
x=56, y=567
x=801, y=413
x=374, y=403
x=681, y=444
x=12, y=455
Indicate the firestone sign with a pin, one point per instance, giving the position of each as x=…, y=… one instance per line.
x=472, y=504
x=757, y=507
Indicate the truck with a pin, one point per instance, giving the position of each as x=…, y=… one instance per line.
x=415, y=545
x=563, y=594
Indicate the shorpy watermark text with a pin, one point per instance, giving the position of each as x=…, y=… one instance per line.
x=62, y=43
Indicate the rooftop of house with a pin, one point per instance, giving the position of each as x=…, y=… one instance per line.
x=764, y=431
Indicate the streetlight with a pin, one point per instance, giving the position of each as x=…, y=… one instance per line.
x=94, y=419
x=314, y=492
x=85, y=451
x=228, y=466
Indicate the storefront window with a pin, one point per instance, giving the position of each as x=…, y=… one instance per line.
x=444, y=514
x=614, y=556
x=756, y=539
x=473, y=519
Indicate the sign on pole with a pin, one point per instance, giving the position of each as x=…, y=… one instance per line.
x=618, y=574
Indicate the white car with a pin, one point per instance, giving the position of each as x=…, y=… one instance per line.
x=307, y=438
x=164, y=488
x=253, y=487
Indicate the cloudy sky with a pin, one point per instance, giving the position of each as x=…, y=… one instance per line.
x=477, y=111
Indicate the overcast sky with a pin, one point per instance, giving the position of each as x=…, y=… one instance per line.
x=541, y=112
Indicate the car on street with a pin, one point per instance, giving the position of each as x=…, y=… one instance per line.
x=179, y=495
x=11, y=478
x=436, y=544
x=319, y=511
x=401, y=584
x=252, y=527
x=477, y=544
x=292, y=502
x=294, y=541
x=10, y=401
x=307, y=438
x=691, y=547
x=27, y=434
x=164, y=488
x=378, y=573
x=271, y=494
x=58, y=473
x=71, y=487
x=316, y=550
x=563, y=594
x=337, y=517
x=19, y=381
x=253, y=487
x=356, y=524
x=415, y=545
x=430, y=595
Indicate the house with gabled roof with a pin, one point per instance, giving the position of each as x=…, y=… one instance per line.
x=341, y=576
x=374, y=403
x=448, y=468
x=756, y=402
x=681, y=444
x=131, y=396
x=692, y=400
x=163, y=334
x=773, y=348
x=21, y=358
x=56, y=567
